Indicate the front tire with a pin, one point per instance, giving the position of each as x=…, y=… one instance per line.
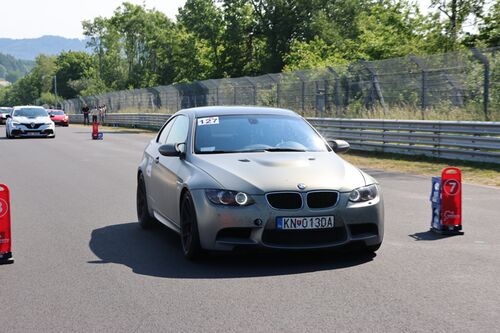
x=146, y=221
x=190, y=237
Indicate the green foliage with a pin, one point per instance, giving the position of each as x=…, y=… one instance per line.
x=11, y=69
x=47, y=98
x=456, y=13
x=204, y=20
x=314, y=54
x=242, y=51
x=71, y=67
x=389, y=30
x=489, y=29
x=138, y=47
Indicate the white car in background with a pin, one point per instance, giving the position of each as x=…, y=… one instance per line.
x=4, y=111
x=27, y=121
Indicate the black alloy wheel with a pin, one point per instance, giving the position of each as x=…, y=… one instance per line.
x=146, y=221
x=190, y=238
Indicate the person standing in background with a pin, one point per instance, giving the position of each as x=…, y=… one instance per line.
x=94, y=113
x=101, y=113
x=85, y=111
x=104, y=110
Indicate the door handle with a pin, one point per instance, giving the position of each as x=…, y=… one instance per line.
x=157, y=159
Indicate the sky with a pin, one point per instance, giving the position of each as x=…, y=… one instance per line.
x=36, y=18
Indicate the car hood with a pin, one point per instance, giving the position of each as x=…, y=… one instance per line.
x=257, y=173
x=57, y=117
x=36, y=120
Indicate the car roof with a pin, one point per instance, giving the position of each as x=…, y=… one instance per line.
x=28, y=107
x=209, y=111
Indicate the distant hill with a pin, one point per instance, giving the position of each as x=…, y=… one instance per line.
x=28, y=49
x=12, y=69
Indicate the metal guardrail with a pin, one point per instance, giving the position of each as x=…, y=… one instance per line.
x=467, y=140
x=152, y=121
x=457, y=140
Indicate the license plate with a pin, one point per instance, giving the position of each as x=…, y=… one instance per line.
x=32, y=133
x=301, y=223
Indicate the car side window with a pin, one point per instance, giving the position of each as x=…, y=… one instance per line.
x=164, y=132
x=179, y=130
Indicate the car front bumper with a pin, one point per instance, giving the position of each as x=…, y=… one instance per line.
x=61, y=122
x=24, y=131
x=225, y=228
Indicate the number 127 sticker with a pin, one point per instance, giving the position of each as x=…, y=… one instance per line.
x=208, y=121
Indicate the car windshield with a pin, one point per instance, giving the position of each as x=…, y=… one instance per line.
x=30, y=112
x=5, y=110
x=57, y=113
x=255, y=133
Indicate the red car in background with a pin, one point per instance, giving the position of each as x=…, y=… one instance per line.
x=59, y=117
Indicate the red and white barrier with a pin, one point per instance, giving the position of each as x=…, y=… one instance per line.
x=5, y=232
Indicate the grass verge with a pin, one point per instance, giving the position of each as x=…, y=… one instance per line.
x=472, y=173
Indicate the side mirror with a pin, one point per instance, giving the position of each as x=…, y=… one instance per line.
x=339, y=146
x=171, y=149
x=8, y=116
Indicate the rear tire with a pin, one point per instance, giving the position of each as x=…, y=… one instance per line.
x=146, y=221
x=190, y=237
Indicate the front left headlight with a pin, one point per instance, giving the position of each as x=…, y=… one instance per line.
x=229, y=198
x=365, y=193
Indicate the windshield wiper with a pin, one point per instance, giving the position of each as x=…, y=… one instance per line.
x=284, y=149
x=217, y=152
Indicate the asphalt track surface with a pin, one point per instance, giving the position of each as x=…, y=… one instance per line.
x=82, y=263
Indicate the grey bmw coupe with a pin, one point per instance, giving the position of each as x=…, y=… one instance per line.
x=227, y=177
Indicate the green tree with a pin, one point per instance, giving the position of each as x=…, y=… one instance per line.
x=489, y=29
x=457, y=12
x=205, y=20
x=390, y=29
x=191, y=58
x=72, y=66
x=280, y=23
x=243, y=50
x=104, y=40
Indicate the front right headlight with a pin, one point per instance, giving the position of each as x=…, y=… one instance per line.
x=229, y=198
x=14, y=123
x=365, y=193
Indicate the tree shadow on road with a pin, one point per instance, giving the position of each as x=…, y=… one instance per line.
x=158, y=253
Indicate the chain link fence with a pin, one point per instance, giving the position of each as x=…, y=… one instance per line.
x=462, y=85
